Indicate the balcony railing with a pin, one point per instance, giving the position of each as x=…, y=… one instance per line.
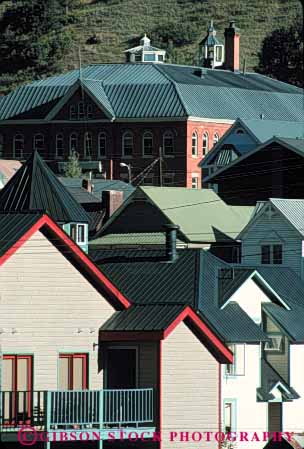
x=76, y=409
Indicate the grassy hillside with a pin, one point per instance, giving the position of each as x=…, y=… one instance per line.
x=118, y=24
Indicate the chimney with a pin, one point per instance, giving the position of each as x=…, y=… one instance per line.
x=171, y=232
x=232, y=47
x=111, y=201
x=86, y=184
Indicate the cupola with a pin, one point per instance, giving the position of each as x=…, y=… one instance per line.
x=145, y=52
x=211, y=50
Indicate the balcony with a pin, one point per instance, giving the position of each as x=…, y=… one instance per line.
x=90, y=411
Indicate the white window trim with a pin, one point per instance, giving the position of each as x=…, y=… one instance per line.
x=14, y=145
x=127, y=134
x=149, y=135
x=104, y=136
x=166, y=135
x=194, y=136
x=205, y=150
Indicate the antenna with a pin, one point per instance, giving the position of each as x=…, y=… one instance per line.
x=244, y=66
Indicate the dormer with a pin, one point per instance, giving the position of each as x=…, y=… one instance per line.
x=145, y=52
x=211, y=50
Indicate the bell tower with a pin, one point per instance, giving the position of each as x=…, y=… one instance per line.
x=211, y=51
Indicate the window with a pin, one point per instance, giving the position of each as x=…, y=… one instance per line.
x=78, y=233
x=205, y=143
x=39, y=143
x=239, y=131
x=219, y=53
x=161, y=58
x=168, y=179
x=168, y=143
x=102, y=144
x=229, y=415
x=216, y=138
x=88, y=144
x=138, y=57
x=275, y=344
x=73, y=143
x=81, y=110
x=1, y=145
x=148, y=180
x=72, y=112
x=237, y=368
x=194, y=182
x=147, y=144
x=18, y=146
x=59, y=145
x=17, y=376
x=89, y=111
x=194, y=144
x=73, y=372
x=127, y=144
x=272, y=254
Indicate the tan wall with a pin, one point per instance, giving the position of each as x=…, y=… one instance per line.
x=190, y=381
x=47, y=300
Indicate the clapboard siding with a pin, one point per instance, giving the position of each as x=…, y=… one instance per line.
x=53, y=309
x=190, y=383
x=263, y=229
x=278, y=360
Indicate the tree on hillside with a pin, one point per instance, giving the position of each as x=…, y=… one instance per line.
x=73, y=169
x=281, y=55
x=33, y=36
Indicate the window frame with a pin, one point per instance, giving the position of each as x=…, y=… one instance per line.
x=88, y=144
x=102, y=136
x=168, y=135
x=194, y=185
x=231, y=370
x=35, y=142
x=85, y=374
x=59, y=137
x=127, y=135
x=81, y=110
x=147, y=136
x=205, y=143
x=73, y=136
x=233, y=404
x=89, y=111
x=77, y=227
x=14, y=145
x=194, y=144
x=216, y=138
x=72, y=112
x=271, y=254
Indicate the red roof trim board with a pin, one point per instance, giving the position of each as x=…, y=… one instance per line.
x=46, y=221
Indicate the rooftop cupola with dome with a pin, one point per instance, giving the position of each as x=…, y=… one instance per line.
x=211, y=50
x=145, y=52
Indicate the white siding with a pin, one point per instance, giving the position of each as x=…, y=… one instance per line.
x=250, y=297
x=251, y=416
x=190, y=382
x=52, y=308
x=264, y=229
x=293, y=420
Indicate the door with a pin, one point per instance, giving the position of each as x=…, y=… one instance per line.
x=275, y=417
x=121, y=372
x=17, y=384
x=73, y=372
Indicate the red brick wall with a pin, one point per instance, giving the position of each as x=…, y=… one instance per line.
x=200, y=128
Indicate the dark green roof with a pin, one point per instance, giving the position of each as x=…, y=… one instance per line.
x=164, y=90
x=35, y=188
x=191, y=280
x=13, y=226
x=143, y=318
x=270, y=379
x=99, y=185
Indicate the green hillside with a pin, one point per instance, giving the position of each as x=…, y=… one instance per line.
x=177, y=24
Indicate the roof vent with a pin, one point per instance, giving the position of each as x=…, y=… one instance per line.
x=262, y=116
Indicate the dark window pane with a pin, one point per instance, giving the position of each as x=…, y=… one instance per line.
x=265, y=254
x=277, y=254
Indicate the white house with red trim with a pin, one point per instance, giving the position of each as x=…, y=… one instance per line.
x=53, y=301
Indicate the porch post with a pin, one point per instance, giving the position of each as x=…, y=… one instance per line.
x=47, y=417
x=100, y=411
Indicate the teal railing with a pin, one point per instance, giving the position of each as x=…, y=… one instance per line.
x=77, y=409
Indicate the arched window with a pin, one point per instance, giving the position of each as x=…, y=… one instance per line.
x=102, y=144
x=18, y=146
x=205, y=143
x=59, y=145
x=81, y=110
x=127, y=144
x=194, y=144
x=239, y=131
x=147, y=146
x=216, y=138
x=1, y=145
x=168, y=143
x=73, y=112
x=88, y=144
x=73, y=143
x=39, y=143
x=89, y=111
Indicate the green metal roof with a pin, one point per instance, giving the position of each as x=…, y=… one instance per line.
x=13, y=226
x=266, y=129
x=165, y=90
x=34, y=187
x=99, y=185
x=139, y=238
x=191, y=280
x=293, y=210
x=156, y=317
x=198, y=212
x=270, y=379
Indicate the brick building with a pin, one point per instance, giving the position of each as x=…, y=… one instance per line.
x=113, y=114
